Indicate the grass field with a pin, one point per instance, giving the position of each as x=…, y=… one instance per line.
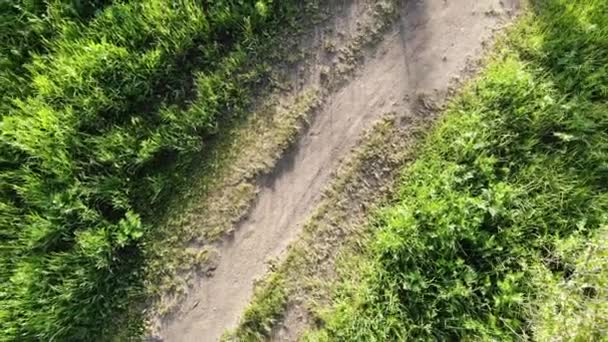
x=102, y=104
x=499, y=229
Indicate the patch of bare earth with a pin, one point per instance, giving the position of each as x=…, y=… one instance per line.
x=364, y=66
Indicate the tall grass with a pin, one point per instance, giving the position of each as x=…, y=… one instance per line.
x=25, y=27
x=492, y=221
x=113, y=103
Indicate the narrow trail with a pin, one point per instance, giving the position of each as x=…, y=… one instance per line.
x=431, y=44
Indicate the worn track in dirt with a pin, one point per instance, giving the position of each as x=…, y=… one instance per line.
x=413, y=66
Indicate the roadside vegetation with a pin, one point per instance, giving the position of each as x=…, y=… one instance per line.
x=103, y=103
x=498, y=230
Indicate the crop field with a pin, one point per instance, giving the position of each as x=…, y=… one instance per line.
x=498, y=231
x=102, y=101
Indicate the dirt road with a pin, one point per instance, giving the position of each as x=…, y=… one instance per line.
x=431, y=43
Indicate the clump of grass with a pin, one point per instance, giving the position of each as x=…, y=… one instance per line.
x=260, y=317
x=515, y=170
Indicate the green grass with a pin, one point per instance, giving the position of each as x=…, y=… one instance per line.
x=575, y=308
x=109, y=102
x=25, y=25
x=260, y=317
x=498, y=225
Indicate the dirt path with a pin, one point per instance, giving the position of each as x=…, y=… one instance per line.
x=431, y=44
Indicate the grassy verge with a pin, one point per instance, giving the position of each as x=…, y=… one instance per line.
x=503, y=214
x=115, y=106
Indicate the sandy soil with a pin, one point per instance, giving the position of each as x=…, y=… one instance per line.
x=411, y=69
